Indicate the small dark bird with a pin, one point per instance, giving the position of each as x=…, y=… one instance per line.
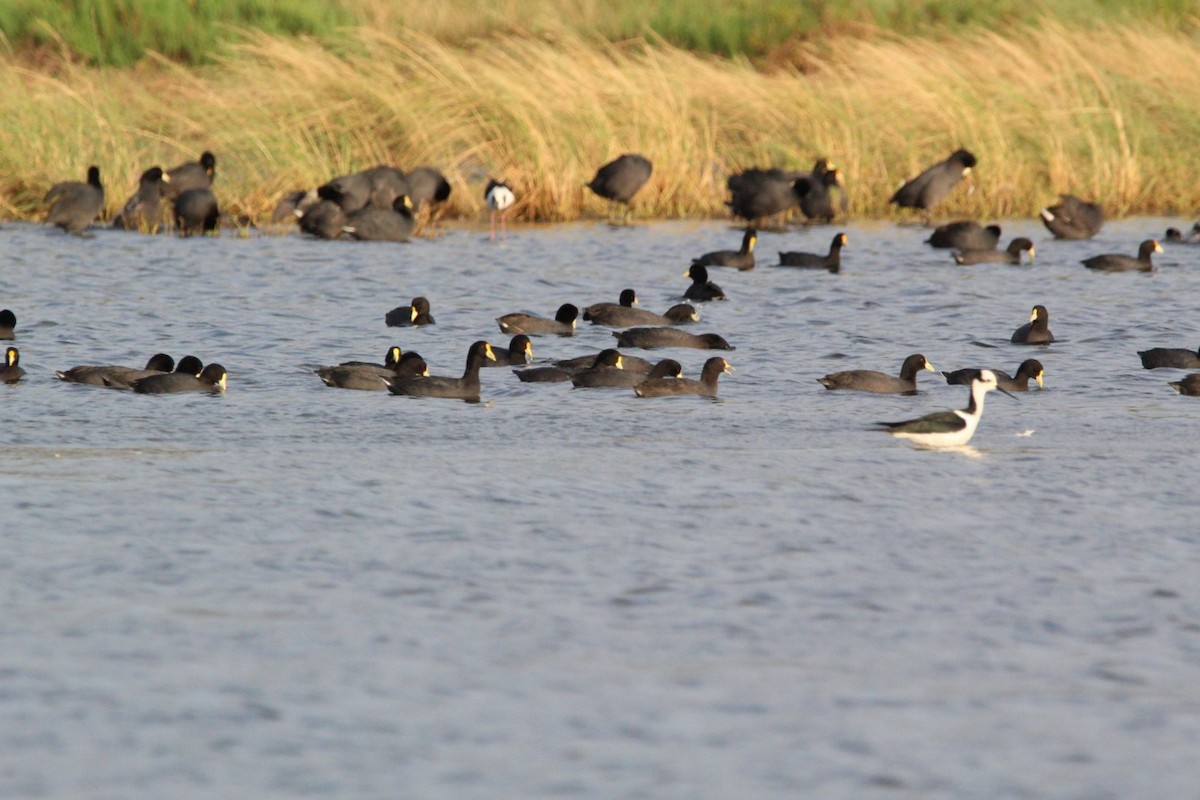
x=12, y=372
x=144, y=211
x=1073, y=218
x=116, y=377
x=196, y=212
x=350, y=192
x=386, y=185
x=416, y=313
x=1037, y=330
x=831, y=262
x=619, y=180
x=650, y=338
x=702, y=289
x=74, y=205
x=191, y=175
x=293, y=205
x=427, y=187
x=756, y=194
x=1010, y=255
x=324, y=219
x=679, y=387
x=1176, y=236
x=211, y=379
x=563, y=323
x=625, y=378
x=816, y=201
x=869, y=380
x=623, y=315
x=1189, y=385
x=8, y=321
x=372, y=224
x=1170, y=358
x=499, y=196
x=518, y=353
x=1119, y=262
x=370, y=377
x=931, y=186
x=742, y=259
x=464, y=388
x=1030, y=369
x=965, y=235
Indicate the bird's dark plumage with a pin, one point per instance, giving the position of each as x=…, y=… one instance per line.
x=8, y=321
x=1030, y=369
x=705, y=387
x=1119, y=262
x=702, y=290
x=1073, y=218
x=929, y=188
x=117, y=377
x=11, y=372
x=868, y=380
x=742, y=259
x=415, y=313
x=1170, y=358
x=192, y=175
x=563, y=323
x=464, y=388
x=1037, y=330
x=831, y=262
x=74, y=205
x=144, y=211
x=619, y=180
x=965, y=235
x=1010, y=255
x=372, y=224
x=650, y=338
x=196, y=212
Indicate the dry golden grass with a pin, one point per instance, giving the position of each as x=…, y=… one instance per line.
x=1109, y=114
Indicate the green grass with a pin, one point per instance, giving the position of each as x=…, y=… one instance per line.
x=121, y=32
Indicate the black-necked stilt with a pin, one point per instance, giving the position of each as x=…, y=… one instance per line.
x=1170, y=357
x=1030, y=369
x=499, y=197
x=948, y=428
x=1037, y=330
x=869, y=380
x=1073, y=218
x=1010, y=255
x=619, y=180
x=1119, y=262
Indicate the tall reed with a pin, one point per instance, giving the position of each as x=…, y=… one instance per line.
x=1107, y=113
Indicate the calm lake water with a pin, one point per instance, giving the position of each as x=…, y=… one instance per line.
x=296, y=591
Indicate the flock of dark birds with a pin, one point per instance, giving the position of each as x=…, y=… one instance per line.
x=383, y=204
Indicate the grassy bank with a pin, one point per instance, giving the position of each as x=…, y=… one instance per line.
x=121, y=32
x=1106, y=112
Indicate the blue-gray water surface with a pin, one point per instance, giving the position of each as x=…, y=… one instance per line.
x=296, y=591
